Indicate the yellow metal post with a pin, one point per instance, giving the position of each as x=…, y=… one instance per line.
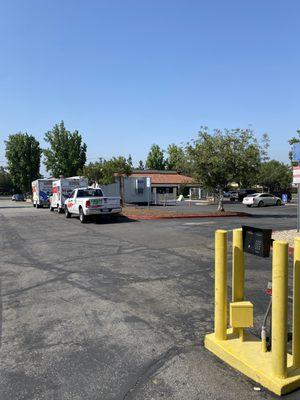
x=220, y=284
x=296, y=305
x=238, y=274
x=279, y=308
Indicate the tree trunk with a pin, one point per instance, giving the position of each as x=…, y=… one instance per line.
x=121, y=183
x=221, y=205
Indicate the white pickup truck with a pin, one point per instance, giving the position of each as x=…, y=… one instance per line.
x=86, y=202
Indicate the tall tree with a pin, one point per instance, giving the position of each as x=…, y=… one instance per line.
x=6, y=183
x=224, y=157
x=23, y=155
x=141, y=165
x=176, y=160
x=265, y=145
x=292, y=141
x=129, y=160
x=155, y=159
x=67, y=153
x=275, y=175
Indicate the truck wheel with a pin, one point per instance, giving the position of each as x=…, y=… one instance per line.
x=51, y=208
x=82, y=217
x=33, y=204
x=67, y=214
x=37, y=205
x=59, y=210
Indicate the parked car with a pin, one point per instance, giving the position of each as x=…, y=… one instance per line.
x=245, y=192
x=261, y=200
x=234, y=196
x=18, y=197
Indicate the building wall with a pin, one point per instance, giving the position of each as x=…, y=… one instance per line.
x=134, y=193
x=136, y=190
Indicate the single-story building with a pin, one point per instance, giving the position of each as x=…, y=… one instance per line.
x=157, y=187
x=166, y=185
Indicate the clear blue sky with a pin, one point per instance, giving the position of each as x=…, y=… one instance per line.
x=129, y=73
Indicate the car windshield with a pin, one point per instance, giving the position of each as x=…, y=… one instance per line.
x=253, y=195
x=90, y=193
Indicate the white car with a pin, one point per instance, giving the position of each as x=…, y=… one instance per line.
x=261, y=200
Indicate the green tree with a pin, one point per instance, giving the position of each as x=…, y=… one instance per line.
x=23, y=155
x=6, y=183
x=98, y=172
x=224, y=157
x=105, y=172
x=155, y=159
x=67, y=153
x=129, y=160
x=275, y=175
x=265, y=145
x=292, y=141
x=176, y=160
x=141, y=165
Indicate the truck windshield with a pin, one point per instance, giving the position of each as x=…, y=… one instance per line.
x=89, y=193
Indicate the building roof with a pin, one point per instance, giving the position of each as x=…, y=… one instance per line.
x=164, y=177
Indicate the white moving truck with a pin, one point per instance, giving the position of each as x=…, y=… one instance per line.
x=86, y=202
x=61, y=190
x=41, y=192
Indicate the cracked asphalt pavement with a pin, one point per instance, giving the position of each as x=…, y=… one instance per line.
x=118, y=310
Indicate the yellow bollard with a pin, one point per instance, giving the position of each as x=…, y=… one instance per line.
x=296, y=305
x=238, y=274
x=279, y=308
x=220, y=284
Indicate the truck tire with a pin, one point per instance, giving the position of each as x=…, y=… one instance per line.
x=67, y=214
x=51, y=208
x=37, y=205
x=59, y=209
x=82, y=217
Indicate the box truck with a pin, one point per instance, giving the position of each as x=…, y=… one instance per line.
x=61, y=190
x=41, y=192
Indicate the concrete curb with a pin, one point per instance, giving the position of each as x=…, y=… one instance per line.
x=184, y=216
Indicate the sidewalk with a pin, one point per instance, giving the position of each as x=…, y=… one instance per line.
x=287, y=236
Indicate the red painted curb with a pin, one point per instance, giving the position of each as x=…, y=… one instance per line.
x=183, y=216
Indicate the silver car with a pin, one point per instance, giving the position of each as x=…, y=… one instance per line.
x=261, y=200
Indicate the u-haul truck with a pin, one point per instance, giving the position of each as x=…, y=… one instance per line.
x=61, y=190
x=41, y=192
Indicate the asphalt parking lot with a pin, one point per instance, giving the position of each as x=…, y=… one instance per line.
x=118, y=310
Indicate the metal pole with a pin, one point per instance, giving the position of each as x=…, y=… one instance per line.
x=296, y=305
x=221, y=284
x=279, y=308
x=238, y=271
x=238, y=274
